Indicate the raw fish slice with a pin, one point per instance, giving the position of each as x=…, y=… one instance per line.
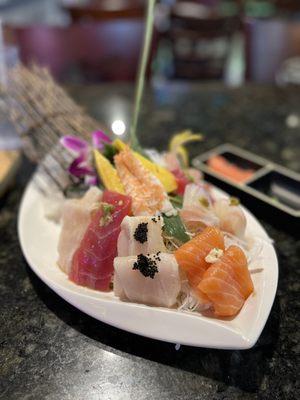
x=227, y=283
x=147, y=192
x=196, y=211
x=118, y=291
x=92, y=263
x=235, y=257
x=53, y=205
x=196, y=194
x=161, y=289
x=76, y=216
x=231, y=217
x=132, y=233
x=191, y=255
x=229, y=170
x=140, y=235
x=196, y=218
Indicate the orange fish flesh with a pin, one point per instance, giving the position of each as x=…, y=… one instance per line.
x=191, y=255
x=147, y=193
x=227, y=283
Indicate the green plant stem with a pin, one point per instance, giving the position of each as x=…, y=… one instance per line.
x=140, y=83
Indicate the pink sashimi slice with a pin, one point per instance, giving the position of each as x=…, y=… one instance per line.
x=76, y=216
x=92, y=264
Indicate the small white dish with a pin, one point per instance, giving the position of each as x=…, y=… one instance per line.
x=39, y=237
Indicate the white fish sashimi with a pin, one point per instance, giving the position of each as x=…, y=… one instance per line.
x=198, y=207
x=161, y=289
x=53, y=205
x=193, y=194
x=198, y=217
x=232, y=217
x=75, y=220
x=118, y=291
x=197, y=211
x=128, y=245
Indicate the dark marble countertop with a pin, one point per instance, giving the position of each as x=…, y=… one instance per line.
x=49, y=350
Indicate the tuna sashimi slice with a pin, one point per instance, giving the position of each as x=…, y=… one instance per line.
x=92, y=263
x=227, y=283
x=76, y=216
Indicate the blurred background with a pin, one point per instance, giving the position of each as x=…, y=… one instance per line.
x=88, y=41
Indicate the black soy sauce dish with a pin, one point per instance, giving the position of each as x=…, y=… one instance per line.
x=271, y=191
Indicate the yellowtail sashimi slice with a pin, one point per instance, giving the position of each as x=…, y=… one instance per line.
x=140, y=235
x=152, y=280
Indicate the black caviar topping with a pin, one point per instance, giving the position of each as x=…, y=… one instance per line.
x=146, y=266
x=156, y=256
x=155, y=220
x=141, y=232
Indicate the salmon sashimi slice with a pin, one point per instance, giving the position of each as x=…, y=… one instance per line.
x=227, y=283
x=147, y=192
x=229, y=170
x=92, y=263
x=191, y=255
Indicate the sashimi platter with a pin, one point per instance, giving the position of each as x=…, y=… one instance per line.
x=140, y=241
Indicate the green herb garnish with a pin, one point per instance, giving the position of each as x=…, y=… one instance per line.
x=204, y=202
x=109, y=152
x=174, y=227
x=106, y=217
x=176, y=201
x=190, y=178
x=234, y=201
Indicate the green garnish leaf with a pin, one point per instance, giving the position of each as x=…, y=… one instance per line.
x=176, y=201
x=190, y=178
x=109, y=152
x=204, y=202
x=234, y=201
x=107, y=208
x=174, y=227
x=106, y=217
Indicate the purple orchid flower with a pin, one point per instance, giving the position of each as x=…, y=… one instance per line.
x=91, y=180
x=80, y=166
x=75, y=144
x=99, y=138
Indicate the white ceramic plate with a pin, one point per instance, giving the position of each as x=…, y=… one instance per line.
x=39, y=237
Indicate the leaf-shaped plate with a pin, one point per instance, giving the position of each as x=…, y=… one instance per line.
x=39, y=237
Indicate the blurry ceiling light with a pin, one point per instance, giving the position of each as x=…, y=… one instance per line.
x=292, y=121
x=118, y=127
